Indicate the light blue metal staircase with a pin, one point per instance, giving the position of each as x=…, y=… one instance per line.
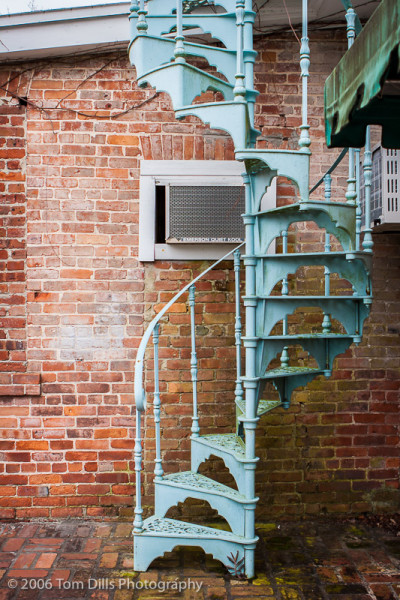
x=164, y=63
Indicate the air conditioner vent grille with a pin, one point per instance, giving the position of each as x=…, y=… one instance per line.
x=205, y=214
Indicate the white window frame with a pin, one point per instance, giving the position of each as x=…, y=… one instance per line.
x=185, y=172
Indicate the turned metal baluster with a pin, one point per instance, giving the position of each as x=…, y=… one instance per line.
x=142, y=25
x=304, y=141
x=351, y=193
x=138, y=522
x=249, y=55
x=285, y=292
x=158, y=470
x=367, y=241
x=328, y=191
x=358, y=200
x=327, y=249
x=326, y=323
x=179, y=38
x=239, y=91
x=193, y=361
x=238, y=327
x=134, y=7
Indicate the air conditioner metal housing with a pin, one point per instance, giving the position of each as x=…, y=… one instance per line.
x=385, y=190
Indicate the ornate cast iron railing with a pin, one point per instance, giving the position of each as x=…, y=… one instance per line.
x=152, y=331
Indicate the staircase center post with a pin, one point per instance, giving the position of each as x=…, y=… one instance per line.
x=250, y=418
x=158, y=470
x=193, y=360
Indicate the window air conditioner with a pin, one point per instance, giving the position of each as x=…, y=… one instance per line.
x=385, y=190
x=204, y=214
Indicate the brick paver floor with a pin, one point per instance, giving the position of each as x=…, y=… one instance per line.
x=319, y=560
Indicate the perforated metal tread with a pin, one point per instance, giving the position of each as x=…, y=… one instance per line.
x=196, y=481
x=290, y=372
x=305, y=205
x=264, y=406
x=347, y=255
x=227, y=442
x=308, y=336
x=283, y=298
x=161, y=527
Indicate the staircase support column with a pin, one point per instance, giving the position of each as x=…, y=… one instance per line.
x=250, y=425
x=250, y=381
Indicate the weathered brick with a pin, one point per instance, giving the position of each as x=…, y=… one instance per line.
x=74, y=311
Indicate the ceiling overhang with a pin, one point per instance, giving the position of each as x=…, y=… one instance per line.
x=60, y=32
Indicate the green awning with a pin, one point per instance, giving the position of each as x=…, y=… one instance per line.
x=364, y=88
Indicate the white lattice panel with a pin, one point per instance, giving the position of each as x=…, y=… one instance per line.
x=391, y=186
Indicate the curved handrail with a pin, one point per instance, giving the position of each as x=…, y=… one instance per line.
x=331, y=168
x=140, y=398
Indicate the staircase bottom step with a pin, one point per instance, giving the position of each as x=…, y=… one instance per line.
x=161, y=535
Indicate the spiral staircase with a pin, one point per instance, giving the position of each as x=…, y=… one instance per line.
x=163, y=59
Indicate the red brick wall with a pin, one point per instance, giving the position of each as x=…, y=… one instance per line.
x=69, y=450
x=14, y=378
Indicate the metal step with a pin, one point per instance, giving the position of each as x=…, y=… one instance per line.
x=306, y=336
x=338, y=218
x=350, y=311
x=287, y=379
x=227, y=446
x=264, y=406
x=221, y=26
x=149, y=52
x=322, y=347
x=162, y=535
x=293, y=164
x=354, y=267
x=232, y=117
x=184, y=83
x=170, y=5
x=229, y=503
x=290, y=372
